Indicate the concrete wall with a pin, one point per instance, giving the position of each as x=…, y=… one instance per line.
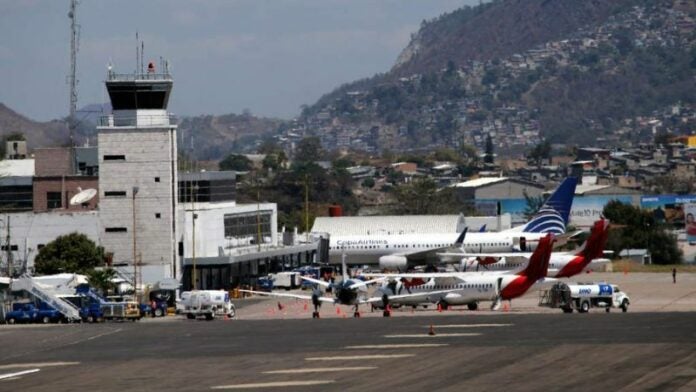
x=150, y=165
x=52, y=161
x=29, y=231
x=210, y=225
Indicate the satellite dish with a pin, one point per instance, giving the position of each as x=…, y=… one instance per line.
x=83, y=196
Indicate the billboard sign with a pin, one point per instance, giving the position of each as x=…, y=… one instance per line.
x=690, y=223
x=668, y=209
x=588, y=209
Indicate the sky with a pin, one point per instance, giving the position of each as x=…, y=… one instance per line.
x=267, y=56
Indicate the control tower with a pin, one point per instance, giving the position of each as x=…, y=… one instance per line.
x=137, y=176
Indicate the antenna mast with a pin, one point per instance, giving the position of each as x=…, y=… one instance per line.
x=72, y=78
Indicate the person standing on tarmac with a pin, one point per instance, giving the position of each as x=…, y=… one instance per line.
x=674, y=275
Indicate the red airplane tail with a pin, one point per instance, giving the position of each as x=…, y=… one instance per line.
x=539, y=261
x=594, y=246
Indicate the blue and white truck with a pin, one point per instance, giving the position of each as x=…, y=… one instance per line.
x=584, y=296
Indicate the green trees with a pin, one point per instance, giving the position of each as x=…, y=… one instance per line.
x=539, y=152
x=637, y=228
x=69, y=253
x=235, y=162
x=421, y=196
x=102, y=279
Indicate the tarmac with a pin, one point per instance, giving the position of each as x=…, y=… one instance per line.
x=652, y=347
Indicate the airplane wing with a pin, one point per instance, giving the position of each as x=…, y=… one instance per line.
x=316, y=281
x=413, y=295
x=525, y=255
x=288, y=295
x=366, y=283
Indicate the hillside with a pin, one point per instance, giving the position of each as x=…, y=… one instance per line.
x=521, y=71
x=499, y=29
x=212, y=137
x=52, y=133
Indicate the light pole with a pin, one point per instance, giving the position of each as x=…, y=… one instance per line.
x=135, y=249
x=194, y=191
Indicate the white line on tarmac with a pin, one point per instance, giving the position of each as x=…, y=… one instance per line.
x=15, y=374
x=36, y=365
x=439, y=335
x=277, y=384
x=104, y=334
x=357, y=357
x=320, y=370
x=408, y=345
x=467, y=325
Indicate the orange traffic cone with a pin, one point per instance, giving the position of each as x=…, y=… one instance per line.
x=338, y=310
x=305, y=306
x=431, y=331
x=439, y=307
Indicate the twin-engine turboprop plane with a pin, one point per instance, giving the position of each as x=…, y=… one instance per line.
x=348, y=291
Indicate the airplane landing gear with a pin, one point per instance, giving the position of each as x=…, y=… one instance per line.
x=316, y=303
x=315, y=314
x=356, y=314
x=387, y=307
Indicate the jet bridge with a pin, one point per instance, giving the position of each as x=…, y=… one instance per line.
x=43, y=293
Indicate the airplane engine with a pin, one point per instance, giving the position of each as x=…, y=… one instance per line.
x=392, y=262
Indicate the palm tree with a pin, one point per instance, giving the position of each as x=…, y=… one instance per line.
x=101, y=279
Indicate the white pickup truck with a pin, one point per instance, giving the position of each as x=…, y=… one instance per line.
x=584, y=296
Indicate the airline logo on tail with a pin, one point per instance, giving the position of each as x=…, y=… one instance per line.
x=552, y=217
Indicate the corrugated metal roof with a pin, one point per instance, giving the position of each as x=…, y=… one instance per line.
x=582, y=189
x=480, y=182
x=389, y=224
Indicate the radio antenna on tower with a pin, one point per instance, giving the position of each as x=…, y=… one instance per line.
x=72, y=78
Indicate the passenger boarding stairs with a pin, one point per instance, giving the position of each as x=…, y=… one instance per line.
x=44, y=293
x=90, y=293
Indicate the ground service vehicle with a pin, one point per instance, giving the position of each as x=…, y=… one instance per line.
x=127, y=310
x=583, y=296
x=29, y=313
x=207, y=303
x=285, y=280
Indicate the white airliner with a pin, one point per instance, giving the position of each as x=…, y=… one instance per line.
x=562, y=264
x=465, y=288
x=398, y=252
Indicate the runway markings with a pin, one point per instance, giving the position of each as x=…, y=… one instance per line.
x=16, y=375
x=468, y=325
x=36, y=365
x=320, y=370
x=358, y=357
x=439, y=335
x=385, y=346
x=276, y=384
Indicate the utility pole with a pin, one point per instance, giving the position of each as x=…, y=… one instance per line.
x=194, y=193
x=9, y=250
x=306, y=184
x=135, y=249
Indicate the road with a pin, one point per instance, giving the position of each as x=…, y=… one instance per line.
x=522, y=352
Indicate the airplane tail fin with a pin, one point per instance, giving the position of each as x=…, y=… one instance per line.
x=594, y=245
x=552, y=217
x=539, y=261
x=460, y=239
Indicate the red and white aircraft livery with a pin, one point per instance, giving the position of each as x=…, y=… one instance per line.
x=465, y=288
